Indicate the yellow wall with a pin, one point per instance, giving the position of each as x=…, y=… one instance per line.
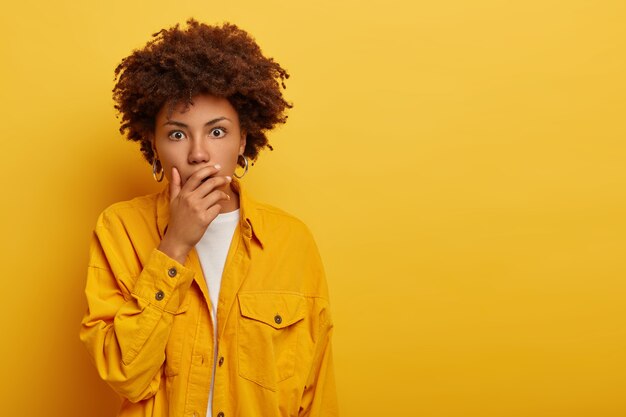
x=461, y=164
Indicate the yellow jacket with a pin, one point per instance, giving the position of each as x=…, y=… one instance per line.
x=149, y=331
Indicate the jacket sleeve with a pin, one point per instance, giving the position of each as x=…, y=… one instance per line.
x=130, y=311
x=320, y=398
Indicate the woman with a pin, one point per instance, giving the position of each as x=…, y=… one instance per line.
x=202, y=301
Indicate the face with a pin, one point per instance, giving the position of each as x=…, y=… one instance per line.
x=204, y=134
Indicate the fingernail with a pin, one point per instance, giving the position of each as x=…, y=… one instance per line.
x=217, y=166
x=229, y=178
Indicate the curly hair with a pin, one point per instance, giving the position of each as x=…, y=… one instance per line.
x=176, y=65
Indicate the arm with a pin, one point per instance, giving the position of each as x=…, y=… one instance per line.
x=131, y=304
x=319, y=397
x=127, y=326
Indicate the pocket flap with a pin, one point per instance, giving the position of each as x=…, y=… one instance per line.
x=275, y=309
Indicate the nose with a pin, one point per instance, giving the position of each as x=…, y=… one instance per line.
x=198, y=153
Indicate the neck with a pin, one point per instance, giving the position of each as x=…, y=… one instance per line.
x=233, y=203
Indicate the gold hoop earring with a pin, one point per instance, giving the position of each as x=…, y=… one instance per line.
x=157, y=170
x=245, y=168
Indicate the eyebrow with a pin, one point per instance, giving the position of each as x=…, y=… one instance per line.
x=210, y=122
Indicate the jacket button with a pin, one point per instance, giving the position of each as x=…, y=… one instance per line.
x=278, y=319
x=221, y=361
x=172, y=272
x=220, y=414
x=159, y=295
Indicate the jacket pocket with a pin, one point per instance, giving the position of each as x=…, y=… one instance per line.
x=267, y=336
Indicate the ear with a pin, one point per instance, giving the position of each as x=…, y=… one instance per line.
x=242, y=142
x=153, y=143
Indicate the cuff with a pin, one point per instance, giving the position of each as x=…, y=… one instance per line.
x=163, y=283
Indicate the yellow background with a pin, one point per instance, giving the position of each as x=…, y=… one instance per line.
x=461, y=164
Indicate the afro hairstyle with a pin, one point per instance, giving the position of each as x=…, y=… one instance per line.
x=176, y=65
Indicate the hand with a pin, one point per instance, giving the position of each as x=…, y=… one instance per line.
x=193, y=207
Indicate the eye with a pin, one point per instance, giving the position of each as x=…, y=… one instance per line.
x=176, y=135
x=218, y=132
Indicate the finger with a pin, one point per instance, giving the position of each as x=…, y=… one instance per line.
x=213, y=198
x=200, y=176
x=212, y=212
x=175, y=184
x=211, y=184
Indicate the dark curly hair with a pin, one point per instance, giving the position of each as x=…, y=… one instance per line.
x=176, y=65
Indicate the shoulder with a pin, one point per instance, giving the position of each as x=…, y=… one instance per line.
x=136, y=209
x=273, y=220
x=275, y=214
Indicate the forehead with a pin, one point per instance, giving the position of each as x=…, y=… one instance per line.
x=202, y=106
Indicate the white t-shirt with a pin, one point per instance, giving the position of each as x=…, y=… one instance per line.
x=212, y=250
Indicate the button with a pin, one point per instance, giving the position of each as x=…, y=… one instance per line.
x=221, y=361
x=159, y=295
x=172, y=272
x=220, y=414
x=278, y=319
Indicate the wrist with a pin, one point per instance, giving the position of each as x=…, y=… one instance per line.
x=176, y=251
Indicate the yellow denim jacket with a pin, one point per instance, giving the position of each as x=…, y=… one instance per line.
x=149, y=331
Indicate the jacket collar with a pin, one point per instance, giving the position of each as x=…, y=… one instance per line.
x=250, y=222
